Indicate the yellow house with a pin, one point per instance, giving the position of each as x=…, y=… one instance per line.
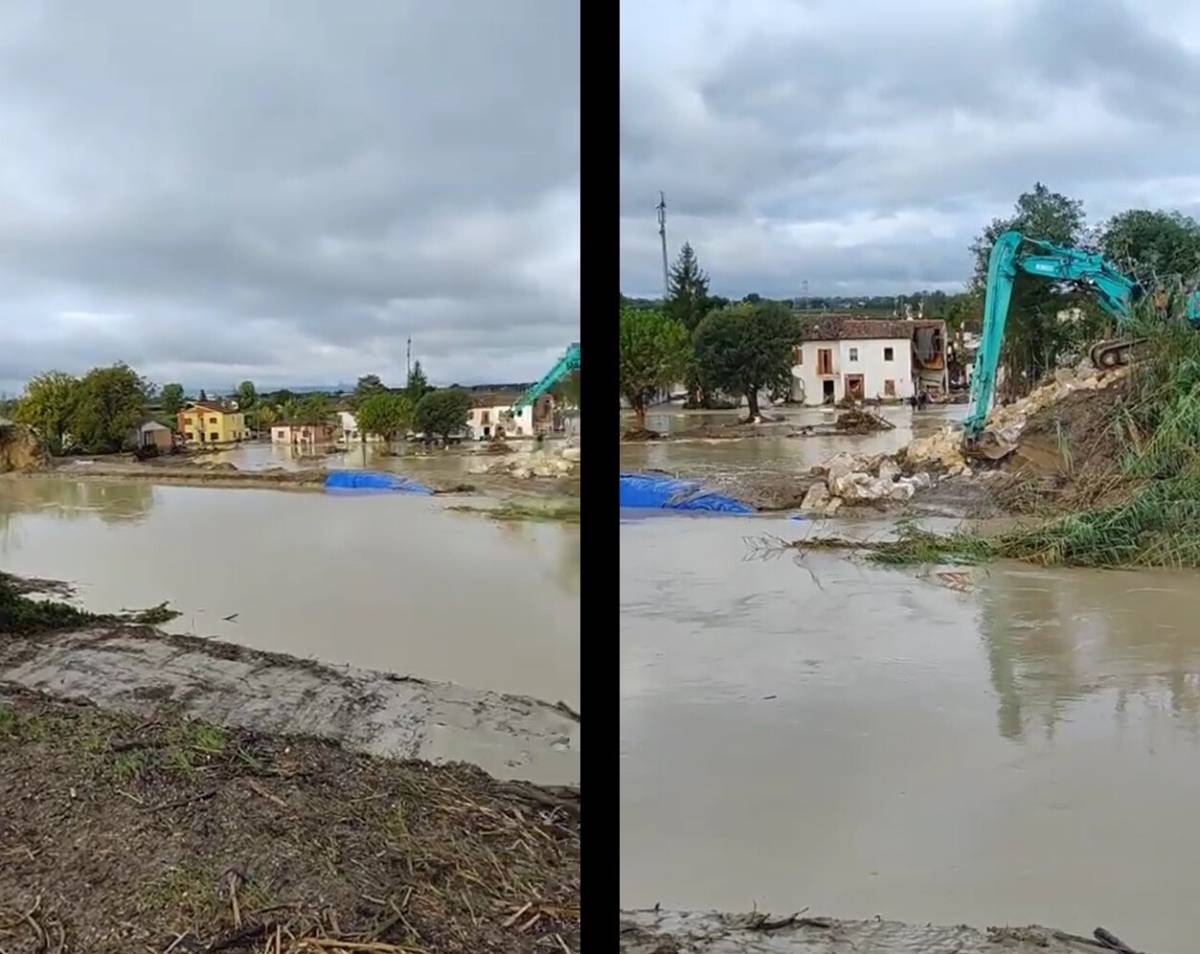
x=207, y=422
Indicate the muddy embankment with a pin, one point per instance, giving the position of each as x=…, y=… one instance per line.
x=662, y=932
x=501, y=479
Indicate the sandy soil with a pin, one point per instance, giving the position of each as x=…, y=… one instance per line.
x=652, y=932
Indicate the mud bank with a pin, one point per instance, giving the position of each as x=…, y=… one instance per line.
x=124, y=835
x=141, y=670
x=661, y=932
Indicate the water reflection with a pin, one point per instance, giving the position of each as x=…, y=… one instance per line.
x=111, y=502
x=1054, y=638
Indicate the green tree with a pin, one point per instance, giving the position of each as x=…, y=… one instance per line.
x=688, y=301
x=442, y=412
x=314, y=409
x=172, y=399
x=384, y=414
x=746, y=348
x=1034, y=337
x=111, y=403
x=367, y=385
x=48, y=405
x=654, y=353
x=247, y=396
x=264, y=415
x=417, y=385
x=1152, y=244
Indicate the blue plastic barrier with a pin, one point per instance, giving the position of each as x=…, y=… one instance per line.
x=368, y=480
x=668, y=493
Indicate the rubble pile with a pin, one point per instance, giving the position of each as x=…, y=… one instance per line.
x=538, y=464
x=850, y=479
x=944, y=449
x=856, y=421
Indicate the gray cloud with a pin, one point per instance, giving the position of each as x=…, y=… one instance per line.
x=862, y=146
x=286, y=190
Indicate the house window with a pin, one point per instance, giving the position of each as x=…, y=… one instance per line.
x=798, y=355
x=212, y=420
x=825, y=361
x=189, y=420
x=214, y=436
x=853, y=354
x=889, y=354
x=485, y=417
x=889, y=386
x=189, y=435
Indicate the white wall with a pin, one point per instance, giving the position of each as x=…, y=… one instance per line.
x=519, y=425
x=349, y=432
x=869, y=361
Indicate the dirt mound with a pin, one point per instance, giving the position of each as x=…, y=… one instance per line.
x=20, y=449
x=857, y=421
x=498, y=447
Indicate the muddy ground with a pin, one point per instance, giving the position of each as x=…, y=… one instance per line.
x=197, y=472
x=140, y=669
x=126, y=833
x=654, y=932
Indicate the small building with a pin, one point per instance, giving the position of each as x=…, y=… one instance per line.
x=349, y=433
x=153, y=434
x=302, y=435
x=492, y=415
x=868, y=359
x=211, y=422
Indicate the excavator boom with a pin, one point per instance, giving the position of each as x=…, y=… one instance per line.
x=568, y=363
x=1014, y=253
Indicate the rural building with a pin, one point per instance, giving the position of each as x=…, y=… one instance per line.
x=869, y=359
x=492, y=415
x=348, y=432
x=302, y=434
x=153, y=434
x=210, y=422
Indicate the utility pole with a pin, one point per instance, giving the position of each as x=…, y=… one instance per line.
x=408, y=360
x=662, y=232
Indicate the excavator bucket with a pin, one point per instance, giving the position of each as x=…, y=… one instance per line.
x=988, y=447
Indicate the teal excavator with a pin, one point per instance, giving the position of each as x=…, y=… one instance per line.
x=1015, y=253
x=566, y=365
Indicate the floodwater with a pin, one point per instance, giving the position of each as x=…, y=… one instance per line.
x=380, y=581
x=813, y=731
x=697, y=458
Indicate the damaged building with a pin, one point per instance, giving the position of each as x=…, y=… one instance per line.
x=843, y=357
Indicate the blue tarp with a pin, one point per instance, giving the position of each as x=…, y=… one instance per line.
x=641, y=490
x=364, y=480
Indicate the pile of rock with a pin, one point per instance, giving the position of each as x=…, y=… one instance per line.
x=1007, y=422
x=537, y=464
x=846, y=478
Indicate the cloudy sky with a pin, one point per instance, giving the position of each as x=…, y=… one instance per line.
x=284, y=191
x=861, y=144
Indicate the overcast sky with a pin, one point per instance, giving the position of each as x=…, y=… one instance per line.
x=284, y=191
x=861, y=144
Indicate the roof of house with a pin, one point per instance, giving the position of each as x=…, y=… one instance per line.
x=212, y=406
x=839, y=327
x=154, y=426
x=505, y=398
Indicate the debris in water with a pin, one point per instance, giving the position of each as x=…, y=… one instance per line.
x=858, y=421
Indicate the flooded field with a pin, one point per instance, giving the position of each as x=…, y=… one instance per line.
x=816, y=731
x=769, y=455
x=384, y=582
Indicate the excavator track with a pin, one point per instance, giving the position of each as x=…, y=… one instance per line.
x=1114, y=353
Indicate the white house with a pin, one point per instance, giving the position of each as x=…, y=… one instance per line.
x=492, y=415
x=349, y=433
x=860, y=358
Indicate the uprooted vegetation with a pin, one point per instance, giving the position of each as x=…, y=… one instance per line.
x=123, y=835
x=1126, y=463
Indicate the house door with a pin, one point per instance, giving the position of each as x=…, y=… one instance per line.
x=826, y=392
x=854, y=387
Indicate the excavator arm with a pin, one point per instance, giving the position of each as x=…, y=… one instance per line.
x=568, y=363
x=1012, y=254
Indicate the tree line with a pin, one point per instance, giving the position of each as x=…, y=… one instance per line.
x=711, y=343
x=98, y=412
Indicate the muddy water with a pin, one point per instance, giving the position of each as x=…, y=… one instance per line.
x=814, y=731
x=383, y=582
x=771, y=454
